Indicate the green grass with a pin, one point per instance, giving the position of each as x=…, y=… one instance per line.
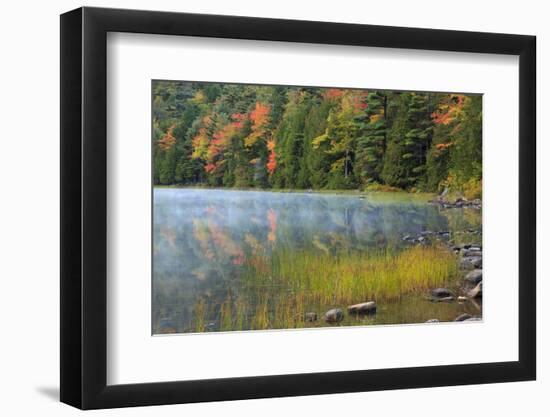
x=278, y=289
x=353, y=277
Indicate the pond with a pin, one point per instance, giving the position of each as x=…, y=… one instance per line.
x=240, y=260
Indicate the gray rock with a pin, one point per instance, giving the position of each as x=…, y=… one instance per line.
x=432, y=321
x=463, y=316
x=368, y=307
x=471, y=252
x=474, y=277
x=474, y=319
x=476, y=292
x=471, y=262
x=440, y=293
x=311, y=317
x=335, y=315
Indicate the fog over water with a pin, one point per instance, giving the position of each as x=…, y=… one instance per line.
x=201, y=237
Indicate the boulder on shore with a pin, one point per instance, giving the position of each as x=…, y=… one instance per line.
x=474, y=277
x=335, y=315
x=463, y=316
x=471, y=262
x=368, y=307
x=476, y=292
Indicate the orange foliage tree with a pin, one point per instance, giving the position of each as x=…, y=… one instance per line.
x=260, y=118
x=167, y=140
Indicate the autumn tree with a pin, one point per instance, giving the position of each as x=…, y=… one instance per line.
x=233, y=135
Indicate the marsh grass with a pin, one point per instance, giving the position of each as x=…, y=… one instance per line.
x=349, y=277
x=200, y=315
x=278, y=289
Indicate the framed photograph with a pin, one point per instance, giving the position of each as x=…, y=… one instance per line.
x=257, y=208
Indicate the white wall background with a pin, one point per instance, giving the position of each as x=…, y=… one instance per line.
x=29, y=225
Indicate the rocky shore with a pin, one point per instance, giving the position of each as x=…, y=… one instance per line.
x=470, y=258
x=460, y=202
x=469, y=289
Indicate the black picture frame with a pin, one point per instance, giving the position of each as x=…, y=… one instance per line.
x=84, y=207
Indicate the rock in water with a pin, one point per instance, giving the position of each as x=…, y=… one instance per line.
x=474, y=277
x=432, y=321
x=447, y=299
x=335, y=315
x=474, y=319
x=368, y=307
x=475, y=292
x=311, y=317
x=463, y=316
x=440, y=293
x=471, y=262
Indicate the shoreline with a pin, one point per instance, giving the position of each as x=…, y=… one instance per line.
x=451, y=200
x=355, y=193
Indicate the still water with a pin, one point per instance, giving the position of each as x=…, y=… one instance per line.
x=202, y=238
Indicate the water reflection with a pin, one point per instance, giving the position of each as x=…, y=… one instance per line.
x=202, y=237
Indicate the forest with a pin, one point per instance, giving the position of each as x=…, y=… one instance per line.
x=280, y=137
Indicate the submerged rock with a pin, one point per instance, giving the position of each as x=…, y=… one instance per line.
x=476, y=292
x=311, y=316
x=368, y=307
x=463, y=316
x=432, y=321
x=474, y=277
x=335, y=315
x=461, y=298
